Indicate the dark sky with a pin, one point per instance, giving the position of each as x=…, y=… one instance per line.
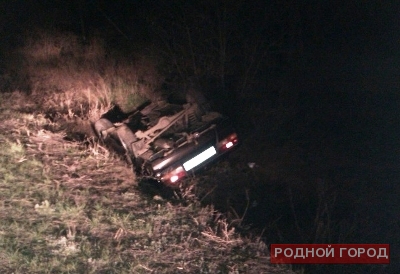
x=338, y=20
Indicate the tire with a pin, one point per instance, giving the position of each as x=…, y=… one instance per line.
x=101, y=126
x=127, y=137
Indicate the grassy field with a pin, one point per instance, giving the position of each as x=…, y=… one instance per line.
x=75, y=207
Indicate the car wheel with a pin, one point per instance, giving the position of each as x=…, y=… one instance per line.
x=127, y=137
x=101, y=127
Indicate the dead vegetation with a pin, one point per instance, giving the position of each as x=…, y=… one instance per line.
x=75, y=207
x=71, y=205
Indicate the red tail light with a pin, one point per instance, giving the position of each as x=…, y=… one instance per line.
x=172, y=177
x=228, y=142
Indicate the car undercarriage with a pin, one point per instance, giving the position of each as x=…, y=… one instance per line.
x=169, y=141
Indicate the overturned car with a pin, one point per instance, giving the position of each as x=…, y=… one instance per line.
x=169, y=141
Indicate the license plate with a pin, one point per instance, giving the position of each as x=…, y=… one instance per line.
x=200, y=158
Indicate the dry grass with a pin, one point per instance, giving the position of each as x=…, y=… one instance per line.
x=75, y=207
x=76, y=79
x=72, y=207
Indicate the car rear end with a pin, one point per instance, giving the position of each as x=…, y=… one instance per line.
x=207, y=145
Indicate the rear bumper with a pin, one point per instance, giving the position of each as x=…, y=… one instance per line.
x=186, y=161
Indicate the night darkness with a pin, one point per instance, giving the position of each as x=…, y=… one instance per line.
x=313, y=87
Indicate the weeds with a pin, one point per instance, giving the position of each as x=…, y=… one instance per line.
x=73, y=79
x=73, y=207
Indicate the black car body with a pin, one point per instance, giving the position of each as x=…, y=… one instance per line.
x=169, y=141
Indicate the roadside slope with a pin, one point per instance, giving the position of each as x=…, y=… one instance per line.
x=75, y=207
